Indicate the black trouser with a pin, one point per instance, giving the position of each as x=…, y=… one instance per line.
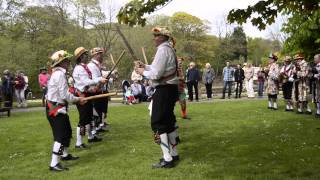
x=85, y=113
x=287, y=90
x=238, y=88
x=61, y=128
x=163, y=101
x=209, y=90
x=225, y=84
x=8, y=98
x=101, y=106
x=190, y=85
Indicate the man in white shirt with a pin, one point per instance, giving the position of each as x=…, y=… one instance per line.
x=163, y=74
x=82, y=81
x=56, y=109
x=100, y=106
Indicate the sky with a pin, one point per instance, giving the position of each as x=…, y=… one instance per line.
x=213, y=11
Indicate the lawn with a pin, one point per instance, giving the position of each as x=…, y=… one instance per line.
x=224, y=140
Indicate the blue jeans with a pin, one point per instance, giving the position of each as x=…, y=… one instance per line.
x=260, y=88
x=225, y=84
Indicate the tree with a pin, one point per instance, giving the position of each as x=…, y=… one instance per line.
x=187, y=25
x=239, y=43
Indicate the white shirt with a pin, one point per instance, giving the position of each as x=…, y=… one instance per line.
x=136, y=89
x=162, y=65
x=58, y=89
x=95, y=69
x=82, y=79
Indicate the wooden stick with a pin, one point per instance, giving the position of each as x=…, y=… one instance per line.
x=111, y=57
x=115, y=65
x=100, y=96
x=144, y=55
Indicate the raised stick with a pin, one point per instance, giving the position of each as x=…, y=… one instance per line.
x=144, y=55
x=111, y=57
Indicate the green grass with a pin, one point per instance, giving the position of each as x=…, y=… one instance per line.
x=224, y=140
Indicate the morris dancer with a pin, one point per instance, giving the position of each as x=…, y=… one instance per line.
x=302, y=84
x=82, y=81
x=163, y=73
x=273, y=86
x=56, y=109
x=286, y=74
x=100, y=105
x=317, y=84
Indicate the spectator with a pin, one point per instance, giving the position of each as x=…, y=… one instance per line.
x=207, y=78
x=125, y=86
x=248, y=78
x=19, y=89
x=26, y=87
x=43, y=78
x=239, y=77
x=193, y=76
x=129, y=96
x=144, y=90
x=261, y=78
x=228, y=73
x=149, y=91
x=137, y=90
x=7, y=83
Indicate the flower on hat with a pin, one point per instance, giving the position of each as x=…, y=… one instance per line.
x=161, y=31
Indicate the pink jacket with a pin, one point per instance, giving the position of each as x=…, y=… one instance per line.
x=43, y=80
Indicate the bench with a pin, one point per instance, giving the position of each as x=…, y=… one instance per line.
x=4, y=108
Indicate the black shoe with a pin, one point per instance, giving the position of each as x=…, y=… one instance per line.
x=58, y=167
x=178, y=140
x=186, y=117
x=317, y=115
x=308, y=112
x=69, y=157
x=299, y=112
x=81, y=146
x=101, y=130
x=174, y=158
x=94, y=139
x=222, y=98
x=275, y=108
x=270, y=107
x=163, y=164
x=287, y=109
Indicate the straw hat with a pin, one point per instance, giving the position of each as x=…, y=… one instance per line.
x=273, y=56
x=287, y=58
x=298, y=56
x=161, y=31
x=59, y=56
x=79, y=51
x=96, y=50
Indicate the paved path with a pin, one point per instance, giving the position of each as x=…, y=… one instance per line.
x=216, y=99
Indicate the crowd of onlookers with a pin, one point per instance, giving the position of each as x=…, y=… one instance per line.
x=136, y=92
x=17, y=84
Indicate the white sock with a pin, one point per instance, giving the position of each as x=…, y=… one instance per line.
x=287, y=106
x=94, y=130
x=55, y=157
x=88, y=128
x=269, y=104
x=173, y=143
x=300, y=107
x=164, y=145
x=318, y=108
x=79, y=137
x=65, y=152
x=275, y=105
x=308, y=108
